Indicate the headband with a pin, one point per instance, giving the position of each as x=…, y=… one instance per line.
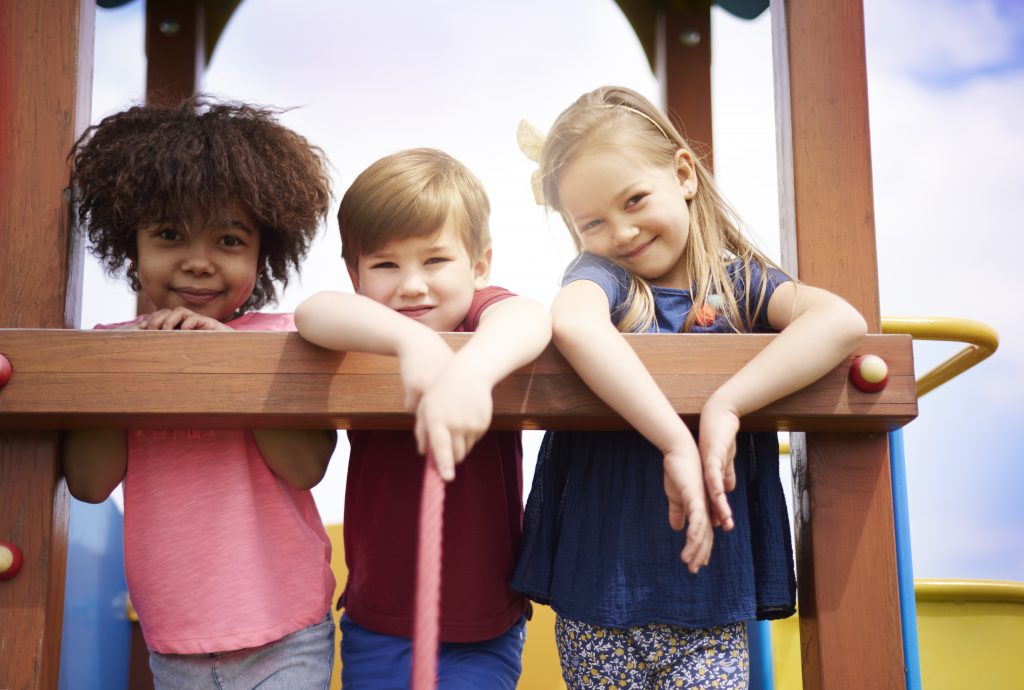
x=531, y=141
x=641, y=114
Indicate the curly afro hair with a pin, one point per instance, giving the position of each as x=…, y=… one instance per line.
x=147, y=164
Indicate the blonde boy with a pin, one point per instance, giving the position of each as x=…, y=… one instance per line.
x=416, y=245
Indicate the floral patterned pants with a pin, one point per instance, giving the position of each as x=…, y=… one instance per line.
x=655, y=657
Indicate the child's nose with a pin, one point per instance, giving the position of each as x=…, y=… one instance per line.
x=413, y=283
x=197, y=260
x=625, y=232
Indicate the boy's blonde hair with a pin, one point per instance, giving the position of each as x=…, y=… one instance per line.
x=621, y=117
x=411, y=194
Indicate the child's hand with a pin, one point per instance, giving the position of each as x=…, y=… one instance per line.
x=684, y=486
x=421, y=363
x=719, y=425
x=181, y=319
x=452, y=416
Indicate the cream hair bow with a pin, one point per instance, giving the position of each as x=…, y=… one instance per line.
x=531, y=140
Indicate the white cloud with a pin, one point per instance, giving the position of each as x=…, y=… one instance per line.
x=942, y=40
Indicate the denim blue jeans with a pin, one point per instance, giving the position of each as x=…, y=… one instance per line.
x=372, y=661
x=297, y=661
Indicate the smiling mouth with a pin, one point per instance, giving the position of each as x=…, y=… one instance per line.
x=415, y=312
x=194, y=296
x=639, y=250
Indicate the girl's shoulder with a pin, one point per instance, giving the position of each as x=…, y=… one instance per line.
x=253, y=321
x=586, y=266
x=612, y=278
x=259, y=321
x=739, y=268
x=121, y=325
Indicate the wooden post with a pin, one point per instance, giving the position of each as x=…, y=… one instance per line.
x=45, y=88
x=175, y=50
x=846, y=560
x=175, y=61
x=682, y=63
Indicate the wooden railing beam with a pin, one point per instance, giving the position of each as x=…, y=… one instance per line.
x=78, y=379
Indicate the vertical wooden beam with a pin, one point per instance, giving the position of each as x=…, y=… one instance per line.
x=45, y=96
x=175, y=61
x=682, y=64
x=175, y=50
x=846, y=559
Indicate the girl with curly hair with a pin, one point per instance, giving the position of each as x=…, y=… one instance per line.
x=204, y=207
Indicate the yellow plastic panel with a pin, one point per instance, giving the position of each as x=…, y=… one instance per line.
x=970, y=635
x=541, y=670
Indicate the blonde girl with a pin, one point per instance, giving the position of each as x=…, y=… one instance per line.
x=661, y=251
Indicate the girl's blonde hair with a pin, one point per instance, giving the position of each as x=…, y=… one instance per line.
x=613, y=114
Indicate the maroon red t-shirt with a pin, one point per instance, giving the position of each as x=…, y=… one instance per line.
x=483, y=513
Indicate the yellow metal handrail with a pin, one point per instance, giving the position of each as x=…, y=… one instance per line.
x=961, y=591
x=981, y=341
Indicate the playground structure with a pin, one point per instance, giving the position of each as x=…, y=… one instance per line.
x=846, y=552
x=968, y=631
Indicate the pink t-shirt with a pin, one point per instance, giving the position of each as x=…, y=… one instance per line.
x=220, y=553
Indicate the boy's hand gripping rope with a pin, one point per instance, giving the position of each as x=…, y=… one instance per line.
x=427, y=616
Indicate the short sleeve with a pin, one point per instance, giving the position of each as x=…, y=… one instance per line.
x=115, y=326
x=755, y=309
x=612, y=278
x=258, y=321
x=482, y=300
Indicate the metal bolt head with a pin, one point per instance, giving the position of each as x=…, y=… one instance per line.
x=690, y=38
x=169, y=27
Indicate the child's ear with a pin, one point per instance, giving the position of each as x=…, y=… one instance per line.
x=482, y=270
x=686, y=171
x=354, y=277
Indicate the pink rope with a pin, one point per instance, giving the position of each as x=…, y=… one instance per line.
x=427, y=616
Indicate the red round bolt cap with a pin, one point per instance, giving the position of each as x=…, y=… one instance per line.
x=5, y=371
x=10, y=560
x=869, y=373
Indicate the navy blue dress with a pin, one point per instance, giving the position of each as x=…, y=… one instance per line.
x=597, y=545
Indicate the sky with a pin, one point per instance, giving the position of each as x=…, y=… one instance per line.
x=946, y=95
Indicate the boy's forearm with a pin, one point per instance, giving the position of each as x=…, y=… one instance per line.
x=511, y=334
x=353, y=323
x=298, y=456
x=94, y=462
